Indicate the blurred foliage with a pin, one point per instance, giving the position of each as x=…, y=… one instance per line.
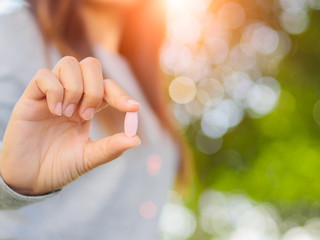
x=276, y=158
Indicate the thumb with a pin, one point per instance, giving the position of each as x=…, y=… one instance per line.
x=104, y=150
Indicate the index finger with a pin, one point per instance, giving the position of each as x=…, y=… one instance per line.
x=118, y=98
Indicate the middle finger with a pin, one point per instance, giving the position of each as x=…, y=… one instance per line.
x=93, y=90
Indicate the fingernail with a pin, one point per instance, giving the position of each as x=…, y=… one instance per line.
x=68, y=111
x=58, y=109
x=132, y=102
x=88, y=114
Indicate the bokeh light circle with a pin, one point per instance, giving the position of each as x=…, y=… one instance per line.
x=214, y=123
x=294, y=23
x=293, y=6
x=261, y=99
x=238, y=84
x=265, y=40
x=233, y=111
x=177, y=222
x=182, y=115
x=210, y=92
x=182, y=90
x=148, y=209
x=208, y=145
x=194, y=108
x=297, y=233
x=175, y=58
x=154, y=163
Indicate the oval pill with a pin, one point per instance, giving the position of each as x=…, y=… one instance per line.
x=131, y=124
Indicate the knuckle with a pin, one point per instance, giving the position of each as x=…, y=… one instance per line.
x=43, y=72
x=69, y=60
x=91, y=61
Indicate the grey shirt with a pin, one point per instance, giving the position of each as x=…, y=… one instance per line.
x=119, y=200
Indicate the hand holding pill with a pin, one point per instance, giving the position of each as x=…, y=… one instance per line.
x=53, y=115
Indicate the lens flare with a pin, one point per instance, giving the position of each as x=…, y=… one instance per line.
x=185, y=30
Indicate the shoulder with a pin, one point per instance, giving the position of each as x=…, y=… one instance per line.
x=21, y=44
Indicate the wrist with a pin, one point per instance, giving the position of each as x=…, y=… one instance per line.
x=10, y=184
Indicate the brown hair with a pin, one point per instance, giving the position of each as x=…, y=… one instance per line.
x=144, y=30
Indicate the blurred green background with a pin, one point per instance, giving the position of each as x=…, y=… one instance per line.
x=262, y=179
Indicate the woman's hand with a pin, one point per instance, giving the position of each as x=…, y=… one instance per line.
x=46, y=144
